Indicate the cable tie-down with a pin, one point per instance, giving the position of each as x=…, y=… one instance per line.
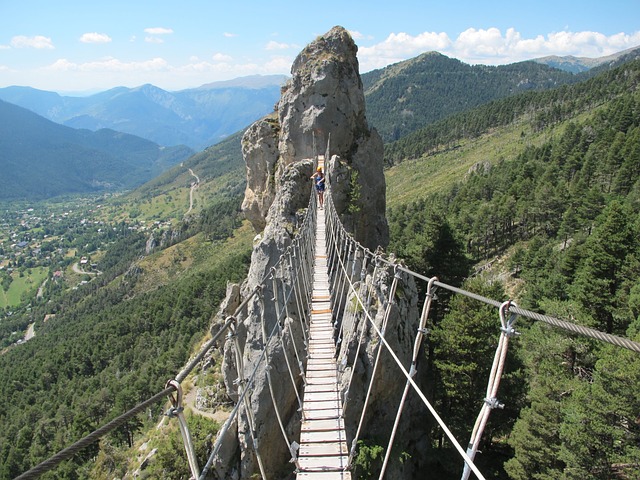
x=509, y=331
x=173, y=412
x=493, y=403
x=424, y=331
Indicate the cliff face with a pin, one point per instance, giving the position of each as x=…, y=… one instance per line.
x=322, y=104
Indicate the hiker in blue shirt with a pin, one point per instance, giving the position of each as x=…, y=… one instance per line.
x=319, y=179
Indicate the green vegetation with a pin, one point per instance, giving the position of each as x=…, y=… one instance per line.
x=368, y=461
x=17, y=285
x=108, y=339
x=409, y=95
x=551, y=216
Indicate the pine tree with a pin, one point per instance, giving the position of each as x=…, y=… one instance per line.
x=535, y=437
x=601, y=429
x=599, y=276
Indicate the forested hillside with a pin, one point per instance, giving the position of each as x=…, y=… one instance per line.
x=540, y=109
x=557, y=227
x=404, y=97
x=105, y=345
x=41, y=159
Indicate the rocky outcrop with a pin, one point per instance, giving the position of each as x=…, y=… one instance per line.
x=260, y=152
x=321, y=111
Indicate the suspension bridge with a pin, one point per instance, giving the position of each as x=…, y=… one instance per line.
x=326, y=277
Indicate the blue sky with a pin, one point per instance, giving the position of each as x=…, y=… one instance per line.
x=89, y=45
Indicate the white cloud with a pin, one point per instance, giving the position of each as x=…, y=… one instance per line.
x=95, y=37
x=277, y=65
x=277, y=46
x=110, y=64
x=153, y=40
x=158, y=31
x=230, y=35
x=221, y=57
x=493, y=47
x=400, y=46
x=39, y=42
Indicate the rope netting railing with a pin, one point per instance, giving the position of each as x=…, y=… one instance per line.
x=290, y=280
x=359, y=299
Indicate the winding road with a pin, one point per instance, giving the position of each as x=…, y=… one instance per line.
x=194, y=185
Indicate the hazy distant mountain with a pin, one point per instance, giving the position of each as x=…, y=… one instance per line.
x=196, y=117
x=41, y=159
x=582, y=64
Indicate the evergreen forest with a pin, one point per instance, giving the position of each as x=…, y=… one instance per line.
x=556, y=229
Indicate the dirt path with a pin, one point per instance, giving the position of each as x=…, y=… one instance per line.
x=31, y=332
x=41, y=288
x=190, y=401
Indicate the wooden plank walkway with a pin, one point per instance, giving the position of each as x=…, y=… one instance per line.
x=323, y=450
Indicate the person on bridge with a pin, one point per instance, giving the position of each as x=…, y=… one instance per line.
x=319, y=179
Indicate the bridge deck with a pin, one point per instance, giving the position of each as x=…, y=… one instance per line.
x=323, y=450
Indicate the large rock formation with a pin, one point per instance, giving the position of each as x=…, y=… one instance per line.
x=321, y=111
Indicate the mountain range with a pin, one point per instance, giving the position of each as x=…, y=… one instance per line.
x=409, y=95
x=400, y=98
x=42, y=159
x=83, y=150
x=583, y=64
x=196, y=117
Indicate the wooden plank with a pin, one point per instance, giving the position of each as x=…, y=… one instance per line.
x=321, y=449
x=323, y=424
x=324, y=405
x=319, y=387
x=323, y=463
x=324, y=475
x=322, y=380
x=322, y=370
x=321, y=396
x=323, y=349
x=321, y=364
x=321, y=414
x=323, y=336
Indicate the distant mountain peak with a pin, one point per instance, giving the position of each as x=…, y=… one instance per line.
x=251, y=81
x=197, y=117
x=570, y=63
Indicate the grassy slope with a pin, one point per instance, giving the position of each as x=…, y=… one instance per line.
x=414, y=179
x=28, y=282
x=190, y=257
